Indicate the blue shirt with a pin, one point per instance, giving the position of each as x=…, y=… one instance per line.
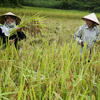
x=88, y=36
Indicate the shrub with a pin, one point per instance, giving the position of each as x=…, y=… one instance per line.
x=97, y=9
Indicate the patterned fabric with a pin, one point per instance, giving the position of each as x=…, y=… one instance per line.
x=6, y=28
x=4, y=33
x=85, y=35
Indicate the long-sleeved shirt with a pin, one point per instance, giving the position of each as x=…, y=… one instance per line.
x=17, y=37
x=87, y=36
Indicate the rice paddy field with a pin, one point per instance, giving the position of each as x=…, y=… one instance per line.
x=48, y=65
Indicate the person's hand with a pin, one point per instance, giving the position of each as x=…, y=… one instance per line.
x=19, y=29
x=82, y=44
x=11, y=41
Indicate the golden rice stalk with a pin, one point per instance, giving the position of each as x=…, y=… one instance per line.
x=23, y=23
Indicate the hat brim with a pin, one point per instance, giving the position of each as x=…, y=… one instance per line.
x=90, y=20
x=17, y=19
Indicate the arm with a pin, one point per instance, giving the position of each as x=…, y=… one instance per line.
x=96, y=38
x=21, y=35
x=97, y=34
x=14, y=36
x=78, y=35
x=2, y=36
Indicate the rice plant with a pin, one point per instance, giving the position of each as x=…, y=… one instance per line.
x=49, y=66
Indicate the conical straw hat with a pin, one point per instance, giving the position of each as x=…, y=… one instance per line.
x=2, y=17
x=92, y=17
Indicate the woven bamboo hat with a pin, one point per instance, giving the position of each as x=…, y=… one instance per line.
x=92, y=17
x=2, y=17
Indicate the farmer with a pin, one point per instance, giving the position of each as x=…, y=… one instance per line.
x=9, y=21
x=88, y=34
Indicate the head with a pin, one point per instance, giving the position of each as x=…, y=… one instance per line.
x=90, y=23
x=91, y=20
x=9, y=20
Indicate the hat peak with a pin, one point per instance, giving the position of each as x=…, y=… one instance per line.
x=10, y=13
x=92, y=17
x=2, y=17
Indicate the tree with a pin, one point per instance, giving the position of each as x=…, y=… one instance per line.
x=9, y=2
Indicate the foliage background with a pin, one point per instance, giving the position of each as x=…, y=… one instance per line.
x=90, y=5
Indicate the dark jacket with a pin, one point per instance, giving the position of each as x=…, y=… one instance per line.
x=17, y=37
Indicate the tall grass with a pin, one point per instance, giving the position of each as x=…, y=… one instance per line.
x=49, y=67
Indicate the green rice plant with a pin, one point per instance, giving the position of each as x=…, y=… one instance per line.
x=23, y=23
x=49, y=70
x=98, y=86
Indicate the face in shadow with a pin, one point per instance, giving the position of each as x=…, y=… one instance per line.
x=90, y=23
x=9, y=20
